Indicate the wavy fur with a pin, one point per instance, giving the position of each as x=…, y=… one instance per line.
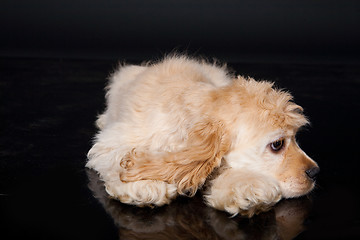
x=170, y=124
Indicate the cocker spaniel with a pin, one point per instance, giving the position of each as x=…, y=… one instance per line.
x=175, y=126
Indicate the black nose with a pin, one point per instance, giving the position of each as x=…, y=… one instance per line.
x=312, y=172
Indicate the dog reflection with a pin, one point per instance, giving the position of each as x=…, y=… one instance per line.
x=190, y=218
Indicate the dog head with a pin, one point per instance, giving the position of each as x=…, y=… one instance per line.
x=263, y=123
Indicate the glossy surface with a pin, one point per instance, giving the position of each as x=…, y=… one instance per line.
x=47, y=113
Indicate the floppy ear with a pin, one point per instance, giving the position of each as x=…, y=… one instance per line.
x=206, y=145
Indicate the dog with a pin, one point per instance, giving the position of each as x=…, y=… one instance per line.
x=180, y=125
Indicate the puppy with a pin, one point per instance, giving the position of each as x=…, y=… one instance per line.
x=171, y=126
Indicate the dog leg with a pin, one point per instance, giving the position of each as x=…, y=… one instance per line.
x=187, y=168
x=244, y=192
x=142, y=193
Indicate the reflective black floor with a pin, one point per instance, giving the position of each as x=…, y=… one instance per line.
x=47, y=111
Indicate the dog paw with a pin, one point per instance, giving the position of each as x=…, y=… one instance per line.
x=128, y=161
x=255, y=197
x=244, y=195
x=142, y=193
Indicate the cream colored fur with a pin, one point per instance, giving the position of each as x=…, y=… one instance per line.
x=171, y=126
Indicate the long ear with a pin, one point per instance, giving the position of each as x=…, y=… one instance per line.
x=206, y=145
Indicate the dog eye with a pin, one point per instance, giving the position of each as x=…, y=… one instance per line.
x=277, y=145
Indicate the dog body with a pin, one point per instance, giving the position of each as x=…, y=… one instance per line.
x=170, y=127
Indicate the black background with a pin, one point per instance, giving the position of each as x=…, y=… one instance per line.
x=55, y=57
x=229, y=29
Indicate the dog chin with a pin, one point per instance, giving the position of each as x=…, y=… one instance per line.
x=289, y=190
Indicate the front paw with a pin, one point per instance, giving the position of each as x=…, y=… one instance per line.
x=254, y=197
x=247, y=195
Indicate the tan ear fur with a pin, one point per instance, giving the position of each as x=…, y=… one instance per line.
x=189, y=168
